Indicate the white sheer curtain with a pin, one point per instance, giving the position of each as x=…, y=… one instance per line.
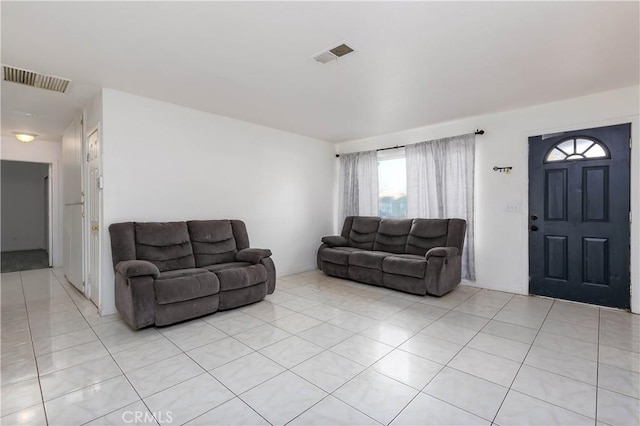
x=440, y=186
x=358, y=184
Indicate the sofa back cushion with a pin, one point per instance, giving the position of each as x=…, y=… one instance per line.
x=213, y=241
x=392, y=235
x=456, y=233
x=165, y=244
x=426, y=234
x=346, y=226
x=240, y=234
x=363, y=232
x=123, y=242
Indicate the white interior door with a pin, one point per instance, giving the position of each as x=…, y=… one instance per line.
x=94, y=202
x=48, y=222
x=74, y=223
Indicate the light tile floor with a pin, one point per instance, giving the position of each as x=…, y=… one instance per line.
x=319, y=351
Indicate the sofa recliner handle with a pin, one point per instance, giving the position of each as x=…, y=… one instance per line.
x=252, y=255
x=442, y=252
x=137, y=268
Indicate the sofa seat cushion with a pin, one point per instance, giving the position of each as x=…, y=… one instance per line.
x=409, y=265
x=228, y=265
x=242, y=296
x=338, y=255
x=235, y=278
x=368, y=259
x=181, y=285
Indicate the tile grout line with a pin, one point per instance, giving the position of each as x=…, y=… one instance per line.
x=239, y=396
x=381, y=299
x=421, y=391
x=33, y=351
x=258, y=352
x=183, y=352
x=418, y=394
x=208, y=371
x=109, y=354
x=325, y=350
x=119, y=408
x=335, y=390
x=330, y=395
x=598, y=367
x=128, y=381
x=521, y=364
x=35, y=361
x=290, y=370
x=68, y=347
x=91, y=328
x=452, y=358
x=225, y=386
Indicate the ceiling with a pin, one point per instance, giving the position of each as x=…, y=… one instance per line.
x=416, y=63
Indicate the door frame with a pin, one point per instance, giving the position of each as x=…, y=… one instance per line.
x=49, y=207
x=86, y=219
x=53, y=201
x=634, y=120
x=47, y=153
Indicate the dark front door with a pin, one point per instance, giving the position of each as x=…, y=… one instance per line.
x=579, y=215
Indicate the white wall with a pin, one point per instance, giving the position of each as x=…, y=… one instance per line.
x=502, y=237
x=24, y=206
x=92, y=115
x=163, y=162
x=42, y=152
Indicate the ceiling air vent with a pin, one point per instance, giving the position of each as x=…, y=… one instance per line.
x=35, y=79
x=332, y=54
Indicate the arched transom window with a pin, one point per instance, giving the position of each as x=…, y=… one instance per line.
x=577, y=148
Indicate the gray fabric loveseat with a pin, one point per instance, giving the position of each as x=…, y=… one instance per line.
x=419, y=256
x=167, y=272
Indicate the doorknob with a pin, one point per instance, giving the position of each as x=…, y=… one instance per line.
x=94, y=228
x=534, y=217
x=534, y=228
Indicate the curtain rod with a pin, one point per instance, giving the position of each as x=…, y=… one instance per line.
x=477, y=132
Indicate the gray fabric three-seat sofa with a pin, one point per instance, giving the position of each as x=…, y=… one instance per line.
x=418, y=256
x=166, y=272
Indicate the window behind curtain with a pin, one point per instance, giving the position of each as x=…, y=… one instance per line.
x=392, y=181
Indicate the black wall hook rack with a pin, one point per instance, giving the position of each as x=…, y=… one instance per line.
x=506, y=169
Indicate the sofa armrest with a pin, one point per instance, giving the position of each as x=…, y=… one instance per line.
x=267, y=262
x=136, y=300
x=252, y=255
x=335, y=241
x=443, y=252
x=137, y=268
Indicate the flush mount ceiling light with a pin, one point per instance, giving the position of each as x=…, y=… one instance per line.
x=333, y=53
x=25, y=137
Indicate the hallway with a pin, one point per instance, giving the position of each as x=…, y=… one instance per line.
x=24, y=260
